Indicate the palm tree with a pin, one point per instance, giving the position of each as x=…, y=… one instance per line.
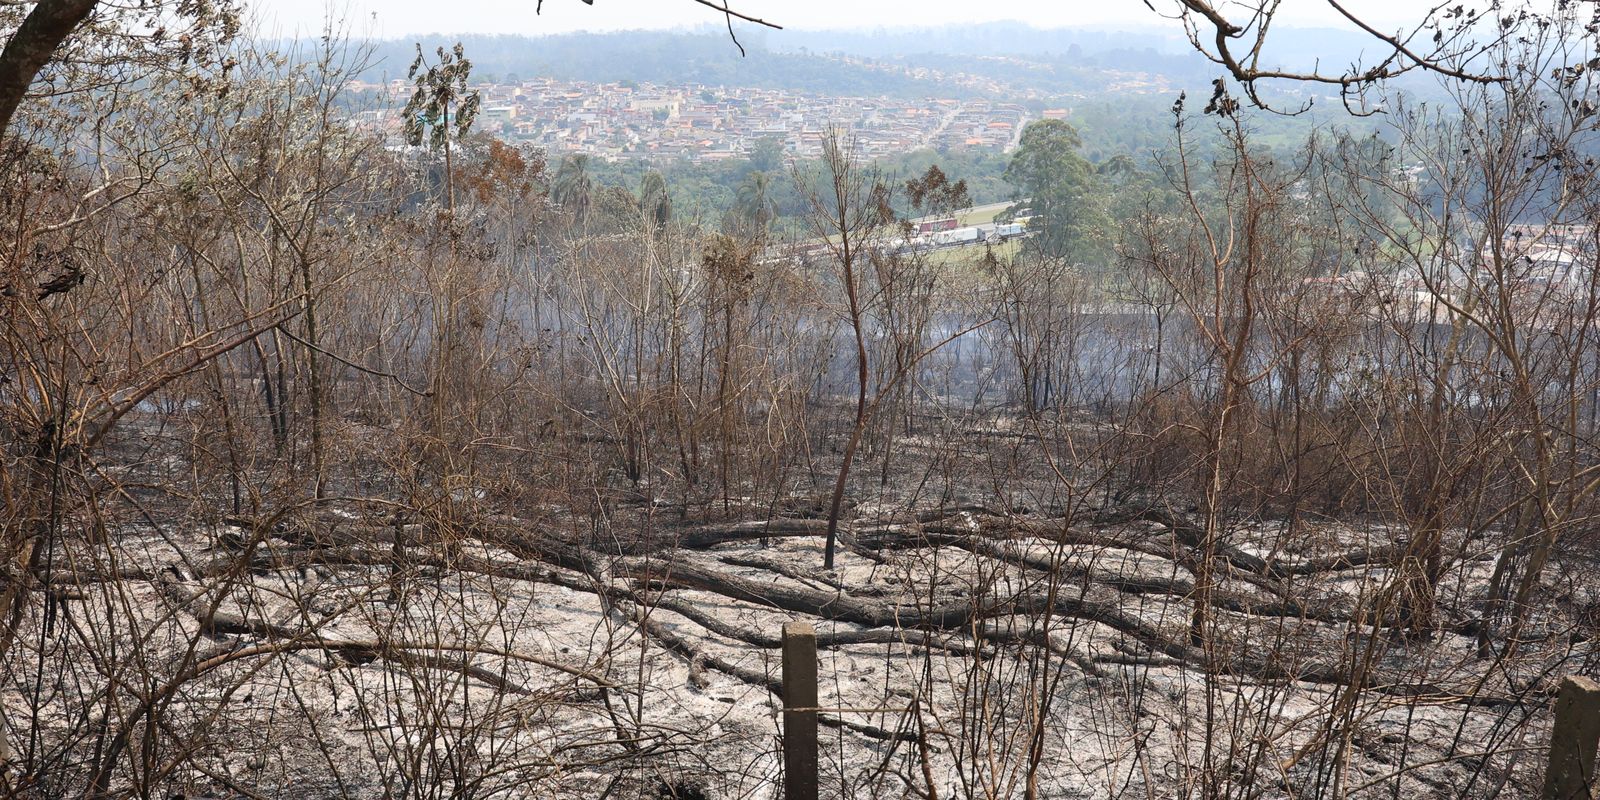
x=655, y=201
x=753, y=206
x=572, y=186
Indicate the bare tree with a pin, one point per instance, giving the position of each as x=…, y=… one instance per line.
x=1451, y=41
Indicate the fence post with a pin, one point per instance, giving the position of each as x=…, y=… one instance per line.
x=799, y=726
x=1573, y=741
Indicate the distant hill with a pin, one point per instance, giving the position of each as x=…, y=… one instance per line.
x=1152, y=47
x=856, y=63
x=1002, y=60
x=983, y=39
x=658, y=57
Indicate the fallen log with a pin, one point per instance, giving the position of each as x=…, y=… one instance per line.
x=697, y=655
x=282, y=639
x=842, y=607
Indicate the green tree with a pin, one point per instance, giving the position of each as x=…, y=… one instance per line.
x=766, y=155
x=655, y=200
x=613, y=209
x=440, y=90
x=573, y=188
x=1048, y=168
x=933, y=193
x=753, y=207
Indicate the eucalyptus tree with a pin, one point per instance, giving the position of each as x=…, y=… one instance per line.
x=442, y=107
x=1060, y=186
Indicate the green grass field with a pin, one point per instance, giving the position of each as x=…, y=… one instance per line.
x=981, y=214
x=969, y=255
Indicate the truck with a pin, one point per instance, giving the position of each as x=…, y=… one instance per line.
x=960, y=236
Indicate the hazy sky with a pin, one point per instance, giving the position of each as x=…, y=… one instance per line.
x=395, y=18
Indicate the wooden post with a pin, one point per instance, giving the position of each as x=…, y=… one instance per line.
x=1573, y=741
x=799, y=726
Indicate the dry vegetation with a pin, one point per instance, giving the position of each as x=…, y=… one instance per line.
x=332, y=471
